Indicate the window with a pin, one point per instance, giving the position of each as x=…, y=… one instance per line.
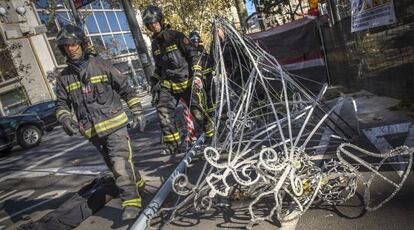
x=96, y=5
x=13, y=101
x=50, y=24
x=7, y=67
x=113, y=22
x=109, y=43
x=42, y=4
x=120, y=44
x=91, y=24
x=130, y=43
x=62, y=18
x=103, y=25
x=111, y=4
x=123, y=21
x=60, y=59
x=98, y=44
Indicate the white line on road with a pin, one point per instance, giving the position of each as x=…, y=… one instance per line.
x=36, y=164
x=81, y=170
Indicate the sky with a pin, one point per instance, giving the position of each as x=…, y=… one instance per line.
x=250, y=7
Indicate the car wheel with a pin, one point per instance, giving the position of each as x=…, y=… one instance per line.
x=29, y=136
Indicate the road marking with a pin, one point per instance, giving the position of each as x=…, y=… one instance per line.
x=377, y=136
x=81, y=170
x=36, y=164
x=53, y=194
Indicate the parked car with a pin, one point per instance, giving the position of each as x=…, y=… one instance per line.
x=46, y=111
x=24, y=130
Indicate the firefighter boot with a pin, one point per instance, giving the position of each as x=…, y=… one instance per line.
x=130, y=212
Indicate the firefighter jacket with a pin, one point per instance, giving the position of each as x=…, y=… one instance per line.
x=176, y=61
x=94, y=92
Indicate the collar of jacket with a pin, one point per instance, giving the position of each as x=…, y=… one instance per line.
x=80, y=64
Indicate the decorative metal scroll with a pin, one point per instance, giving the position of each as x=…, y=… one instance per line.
x=268, y=127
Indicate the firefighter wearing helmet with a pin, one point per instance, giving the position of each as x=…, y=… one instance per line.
x=93, y=89
x=177, y=72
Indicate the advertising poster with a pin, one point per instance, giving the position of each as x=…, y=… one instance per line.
x=371, y=13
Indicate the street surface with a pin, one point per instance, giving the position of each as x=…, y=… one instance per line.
x=34, y=182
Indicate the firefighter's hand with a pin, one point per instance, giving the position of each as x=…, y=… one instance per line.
x=139, y=122
x=69, y=126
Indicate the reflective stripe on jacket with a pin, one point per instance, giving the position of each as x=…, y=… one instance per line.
x=175, y=60
x=94, y=93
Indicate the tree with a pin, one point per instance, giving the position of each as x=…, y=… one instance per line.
x=189, y=15
x=278, y=12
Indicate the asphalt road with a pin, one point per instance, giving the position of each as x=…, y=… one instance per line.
x=34, y=182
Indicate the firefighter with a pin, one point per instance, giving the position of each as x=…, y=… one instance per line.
x=93, y=89
x=207, y=75
x=176, y=68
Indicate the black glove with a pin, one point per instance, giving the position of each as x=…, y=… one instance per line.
x=69, y=126
x=139, y=121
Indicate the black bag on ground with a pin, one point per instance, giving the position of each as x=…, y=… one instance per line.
x=88, y=200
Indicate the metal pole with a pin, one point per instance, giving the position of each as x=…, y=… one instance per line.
x=152, y=208
x=138, y=39
x=75, y=13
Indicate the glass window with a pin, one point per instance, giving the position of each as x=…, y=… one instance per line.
x=91, y=24
x=109, y=43
x=96, y=5
x=42, y=4
x=98, y=44
x=13, y=101
x=63, y=18
x=60, y=59
x=7, y=67
x=111, y=4
x=122, y=21
x=130, y=43
x=121, y=47
x=50, y=24
x=103, y=25
x=112, y=21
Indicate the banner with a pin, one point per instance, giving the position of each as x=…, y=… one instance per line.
x=81, y=3
x=367, y=14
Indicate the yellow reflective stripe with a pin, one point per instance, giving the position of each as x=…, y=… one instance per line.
x=172, y=137
x=171, y=48
x=197, y=67
x=107, y=125
x=73, y=86
x=166, y=84
x=140, y=184
x=207, y=70
x=209, y=133
x=132, y=202
x=133, y=102
x=176, y=86
x=61, y=112
x=157, y=52
x=209, y=110
x=98, y=79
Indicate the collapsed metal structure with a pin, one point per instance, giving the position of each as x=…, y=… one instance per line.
x=268, y=126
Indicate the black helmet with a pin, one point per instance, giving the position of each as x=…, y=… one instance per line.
x=152, y=14
x=195, y=37
x=71, y=34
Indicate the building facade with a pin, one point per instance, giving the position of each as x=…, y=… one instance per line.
x=105, y=24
